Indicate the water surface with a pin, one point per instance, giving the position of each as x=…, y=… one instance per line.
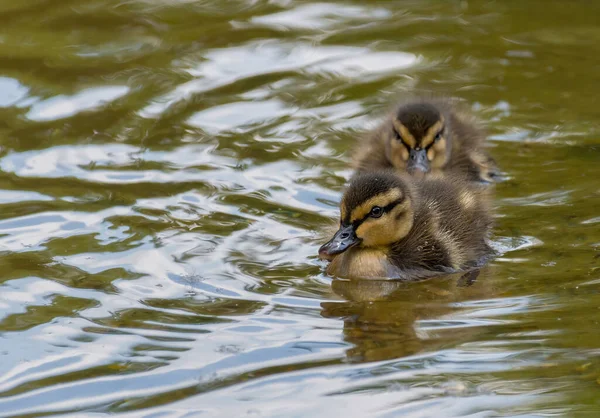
x=166, y=168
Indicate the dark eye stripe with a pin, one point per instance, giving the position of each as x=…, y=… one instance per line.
x=386, y=209
x=440, y=132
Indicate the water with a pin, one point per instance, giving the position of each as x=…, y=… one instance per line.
x=167, y=167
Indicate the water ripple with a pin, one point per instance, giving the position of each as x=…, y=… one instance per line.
x=168, y=171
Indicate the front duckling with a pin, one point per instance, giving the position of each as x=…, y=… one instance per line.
x=427, y=135
x=400, y=226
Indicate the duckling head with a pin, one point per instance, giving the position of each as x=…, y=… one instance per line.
x=376, y=211
x=419, y=139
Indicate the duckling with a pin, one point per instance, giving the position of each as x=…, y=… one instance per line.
x=425, y=135
x=393, y=225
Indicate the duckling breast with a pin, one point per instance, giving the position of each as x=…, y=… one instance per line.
x=361, y=263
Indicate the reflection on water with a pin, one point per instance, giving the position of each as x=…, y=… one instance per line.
x=167, y=170
x=383, y=320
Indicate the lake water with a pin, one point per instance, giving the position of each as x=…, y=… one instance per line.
x=166, y=171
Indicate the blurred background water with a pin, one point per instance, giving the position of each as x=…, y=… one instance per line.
x=166, y=168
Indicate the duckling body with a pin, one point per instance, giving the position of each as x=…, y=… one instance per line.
x=428, y=135
x=400, y=226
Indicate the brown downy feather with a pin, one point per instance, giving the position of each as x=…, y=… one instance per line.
x=452, y=222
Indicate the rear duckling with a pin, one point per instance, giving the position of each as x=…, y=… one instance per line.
x=428, y=135
x=398, y=226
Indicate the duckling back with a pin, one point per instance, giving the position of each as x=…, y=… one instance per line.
x=452, y=223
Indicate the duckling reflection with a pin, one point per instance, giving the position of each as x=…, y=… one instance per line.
x=383, y=319
x=428, y=135
x=397, y=226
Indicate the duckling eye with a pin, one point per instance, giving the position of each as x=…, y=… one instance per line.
x=438, y=136
x=376, y=212
x=397, y=135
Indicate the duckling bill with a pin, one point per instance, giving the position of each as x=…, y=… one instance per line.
x=399, y=226
x=426, y=135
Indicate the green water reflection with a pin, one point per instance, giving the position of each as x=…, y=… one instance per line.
x=167, y=169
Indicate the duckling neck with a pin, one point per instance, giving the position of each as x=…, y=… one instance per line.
x=364, y=263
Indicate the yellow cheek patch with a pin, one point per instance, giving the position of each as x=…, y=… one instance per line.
x=363, y=230
x=381, y=200
x=405, y=134
x=430, y=154
x=404, y=153
x=391, y=227
x=397, y=154
x=377, y=232
x=439, y=154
